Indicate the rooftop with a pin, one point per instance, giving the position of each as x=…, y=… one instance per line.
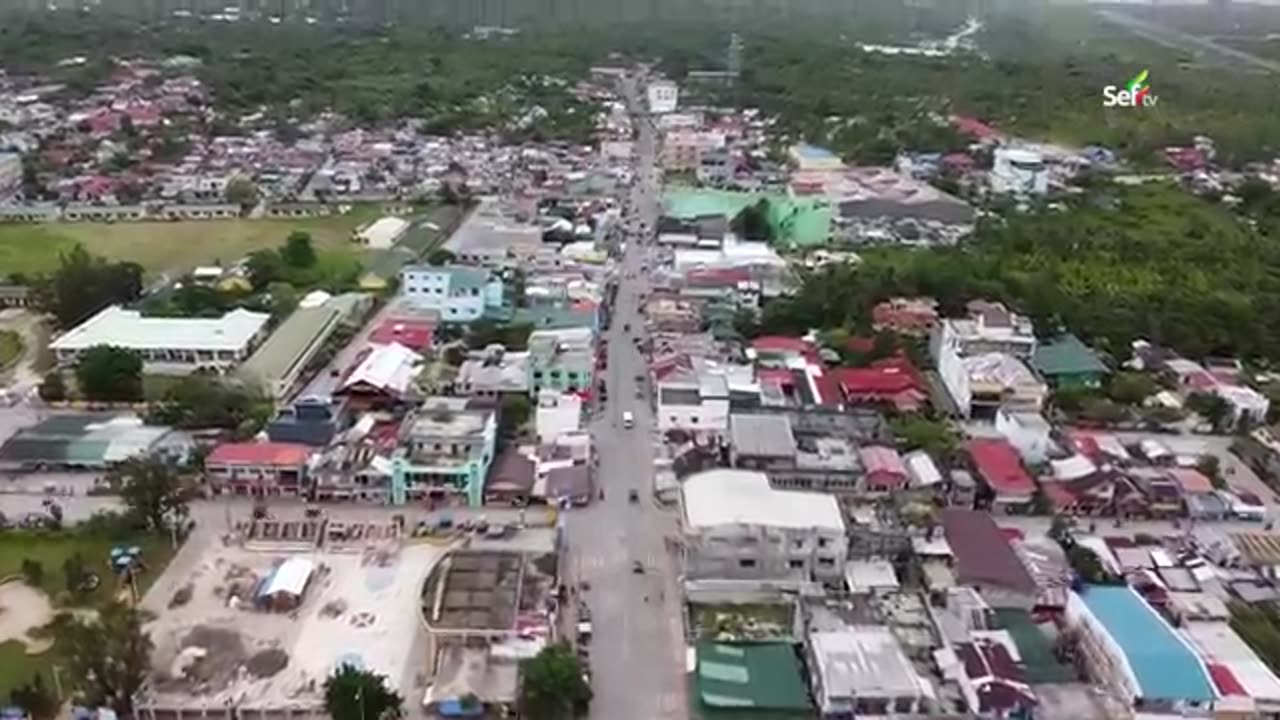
x=486, y=589
x=762, y=435
x=301, y=333
x=998, y=464
x=866, y=661
x=82, y=439
x=1164, y=668
x=258, y=453
x=759, y=676
x=1066, y=355
x=384, y=368
x=726, y=497
x=448, y=417
x=117, y=326
x=982, y=552
x=1226, y=654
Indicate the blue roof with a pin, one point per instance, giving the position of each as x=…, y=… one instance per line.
x=1165, y=668
x=814, y=152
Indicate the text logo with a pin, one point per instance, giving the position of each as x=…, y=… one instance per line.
x=1136, y=93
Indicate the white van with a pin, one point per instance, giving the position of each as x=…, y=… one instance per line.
x=628, y=420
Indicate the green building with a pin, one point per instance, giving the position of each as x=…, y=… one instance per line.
x=1065, y=361
x=749, y=681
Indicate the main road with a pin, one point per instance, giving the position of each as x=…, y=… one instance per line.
x=618, y=545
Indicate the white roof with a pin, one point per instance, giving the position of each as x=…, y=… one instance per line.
x=387, y=367
x=1216, y=642
x=869, y=575
x=129, y=329
x=384, y=231
x=1071, y=468
x=924, y=473
x=744, y=497
x=866, y=661
x=291, y=577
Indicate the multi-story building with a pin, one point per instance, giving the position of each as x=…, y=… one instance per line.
x=991, y=327
x=460, y=294
x=258, y=468
x=663, y=96
x=174, y=346
x=697, y=406
x=738, y=527
x=446, y=447
x=561, y=360
x=10, y=173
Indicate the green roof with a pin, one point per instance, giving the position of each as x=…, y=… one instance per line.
x=759, y=676
x=797, y=222
x=553, y=317
x=277, y=362
x=1041, y=665
x=1067, y=355
x=462, y=277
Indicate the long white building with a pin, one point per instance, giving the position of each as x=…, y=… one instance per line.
x=172, y=346
x=738, y=527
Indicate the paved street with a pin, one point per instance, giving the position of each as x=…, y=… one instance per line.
x=638, y=649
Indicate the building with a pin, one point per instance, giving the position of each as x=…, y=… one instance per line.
x=1244, y=682
x=663, y=95
x=283, y=589
x=1017, y=171
x=985, y=561
x=1029, y=433
x=556, y=414
x=415, y=334
x=997, y=464
x=738, y=681
x=446, y=447
x=10, y=174
x=382, y=233
x=561, y=360
x=1065, y=361
x=1129, y=648
x=90, y=441
x=699, y=408
x=460, y=294
x=761, y=442
x=863, y=671
x=382, y=375
x=739, y=527
x=991, y=328
x=890, y=382
x=885, y=471
x=493, y=372
x=908, y=316
x=14, y=296
x=280, y=362
x=716, y=167
x=258, y=468
x=173, y=346
x=994, y=684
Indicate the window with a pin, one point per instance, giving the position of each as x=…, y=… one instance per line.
x=693, y=419
x=795, y=564
x=822, y=542
x=747, y=563
x=826, y=561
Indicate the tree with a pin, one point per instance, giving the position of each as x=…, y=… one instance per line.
x=83, y=285
x=752, y=222
x=553, y=686
x=935, y=437
x=53, y=388
x=107, y=657
x=110, y=374
x=1131, y=388
x=354, y=694
x=298, y=252
x=264, y=267
x=1211, y=466
x=152, y=491
x=36, y=698
x=241, y=191
x=516, y=409
x=1213, y=408
x=440, y=256
x=75, y=574
x=200, y=402
x=32, y=572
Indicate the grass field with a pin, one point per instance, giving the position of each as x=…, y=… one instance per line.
x=10, y=348
x=51, y=551
x=167, y=246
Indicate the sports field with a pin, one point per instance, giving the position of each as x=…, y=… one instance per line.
x=166, y=246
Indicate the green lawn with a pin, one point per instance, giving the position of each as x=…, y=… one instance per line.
x=168, y=246
x=10, y=348
x=52, y=550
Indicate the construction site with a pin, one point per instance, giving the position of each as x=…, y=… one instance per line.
x=254, y=626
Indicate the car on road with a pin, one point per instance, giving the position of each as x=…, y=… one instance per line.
x=628, y=420
x=637, y=567
x=633, y=496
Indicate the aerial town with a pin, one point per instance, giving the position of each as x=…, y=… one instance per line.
x=636, y=399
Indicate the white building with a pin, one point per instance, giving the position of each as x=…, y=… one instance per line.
x=991, y=327
x=460, y=294
x=173, y=346
x=863, y=671
x=1028, y=433
x=10, y=173
x=557, y=414
x=664, y=96
x=699, y=407
x=382, y=233
x=738, y=527
x=1217, y=644
x=1017, y=171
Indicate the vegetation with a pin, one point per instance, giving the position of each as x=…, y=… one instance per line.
x=554, y=687
x=483, y=333
x=152, y=491
x=109, y=374
x=82, y=285
x=936, y=437
x=200, y=402
x=1259, y=626
x=107, y=656
x=354, y=694
x=10, y=348
x=1117, y=264
x=53, y=388
x=752, y=222
x=36, y=698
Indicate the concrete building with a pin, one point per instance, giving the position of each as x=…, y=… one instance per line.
x=382, y=233
x=1029, y=433
x=174, y=346
x=460, y=294
x=738, y=527
x=258, y=469
x=699, y=408
x=1017, y=171
x=446, y=448
x=716, y=167
x=561, y=360
x=991, y=327
x=863, y=671
x=279, y=363
x=664, y=97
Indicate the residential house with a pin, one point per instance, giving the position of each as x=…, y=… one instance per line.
x=907, y=316
x=458, y=293
x=492, y=372
x=863, y=671
x=985, y=561
x=993, y=682
x=14, y=296
x=991, y=328
x=258, y=468
x=1065, y=361
x=1029, y=433
x=697, y=406
x=380, y=376
x=997, y=464
x=885, y=471
x=890, y=382
x=446, y=447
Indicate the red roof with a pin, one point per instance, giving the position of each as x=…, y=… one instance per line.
x=413, y=334
x=973, y=127
x=1086, y=444
x=782, y=343
x=264, y=453
x=998, y=464
x=1191, y=480
x=718, y=276
x=1225, y=680
x=883, y=377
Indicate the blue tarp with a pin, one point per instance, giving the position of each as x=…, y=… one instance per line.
x=454, y=708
